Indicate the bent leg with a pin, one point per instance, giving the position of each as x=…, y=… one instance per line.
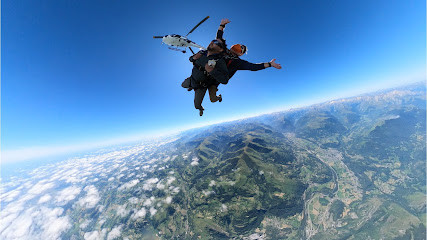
x=186, y=83
x=212, y=93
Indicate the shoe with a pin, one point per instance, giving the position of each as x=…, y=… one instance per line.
x=220, y=98
x=201, y=112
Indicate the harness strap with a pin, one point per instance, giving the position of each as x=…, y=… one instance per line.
x=229, y=62
x=202, y=69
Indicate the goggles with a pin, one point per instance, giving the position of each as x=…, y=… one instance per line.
x=218, y=43
x=244, y=49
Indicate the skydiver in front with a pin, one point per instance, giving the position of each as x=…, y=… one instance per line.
x=209, y=69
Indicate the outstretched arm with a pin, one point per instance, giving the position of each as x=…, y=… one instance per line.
x=245, y=65
x=272, y=63
x=221, y=27
x=240, y=64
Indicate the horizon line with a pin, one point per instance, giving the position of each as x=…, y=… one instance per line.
x=25, y=154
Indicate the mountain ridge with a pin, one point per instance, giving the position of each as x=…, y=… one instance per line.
x=332, y=134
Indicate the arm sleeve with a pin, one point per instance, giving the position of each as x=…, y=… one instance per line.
x=220, y=72
x=219, y=34
x=245, y=65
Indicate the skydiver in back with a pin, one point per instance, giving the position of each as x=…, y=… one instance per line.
x=234, y=62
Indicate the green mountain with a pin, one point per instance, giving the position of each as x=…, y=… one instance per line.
x=346, y=169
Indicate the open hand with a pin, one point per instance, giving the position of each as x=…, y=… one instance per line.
x=225, y=21
x=274, y=64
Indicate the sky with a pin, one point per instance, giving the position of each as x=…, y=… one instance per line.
x=78, y=74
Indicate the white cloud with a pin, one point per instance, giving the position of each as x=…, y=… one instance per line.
x=208, y=193
x=91, y=198
x=53, y=225
x=10, y=196
x=115, y=233
x=223, y=208
x=175, y=190
x=195, y=161
x=77, y=171
x=100, y=208
x=6, y=220
x=168, y=200
x=20, y=227
x=27, y=197
x=85, y=223
x=133, y=200
x=67, y=195
x=160, y=186
x=152, y=211
x=148, y=202
x=139, y=214
x=149, y=184
x=129, y=184
x=123, y=169
x=95, y=235
x=44, y=198
x=92, y=235
x=40, y=187
x=102, y=221
x=49, y=222
x=170, y=180
x=10, y=213
x=122, y=211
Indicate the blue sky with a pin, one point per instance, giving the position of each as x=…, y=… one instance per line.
x=76, y=73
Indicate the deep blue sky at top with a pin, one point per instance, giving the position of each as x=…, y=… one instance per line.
x=82, y=71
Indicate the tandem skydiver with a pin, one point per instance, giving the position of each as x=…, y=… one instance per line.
x=203, y=78
x=209, y=69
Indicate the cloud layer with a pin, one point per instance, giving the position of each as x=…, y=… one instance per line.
x=90, y=191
